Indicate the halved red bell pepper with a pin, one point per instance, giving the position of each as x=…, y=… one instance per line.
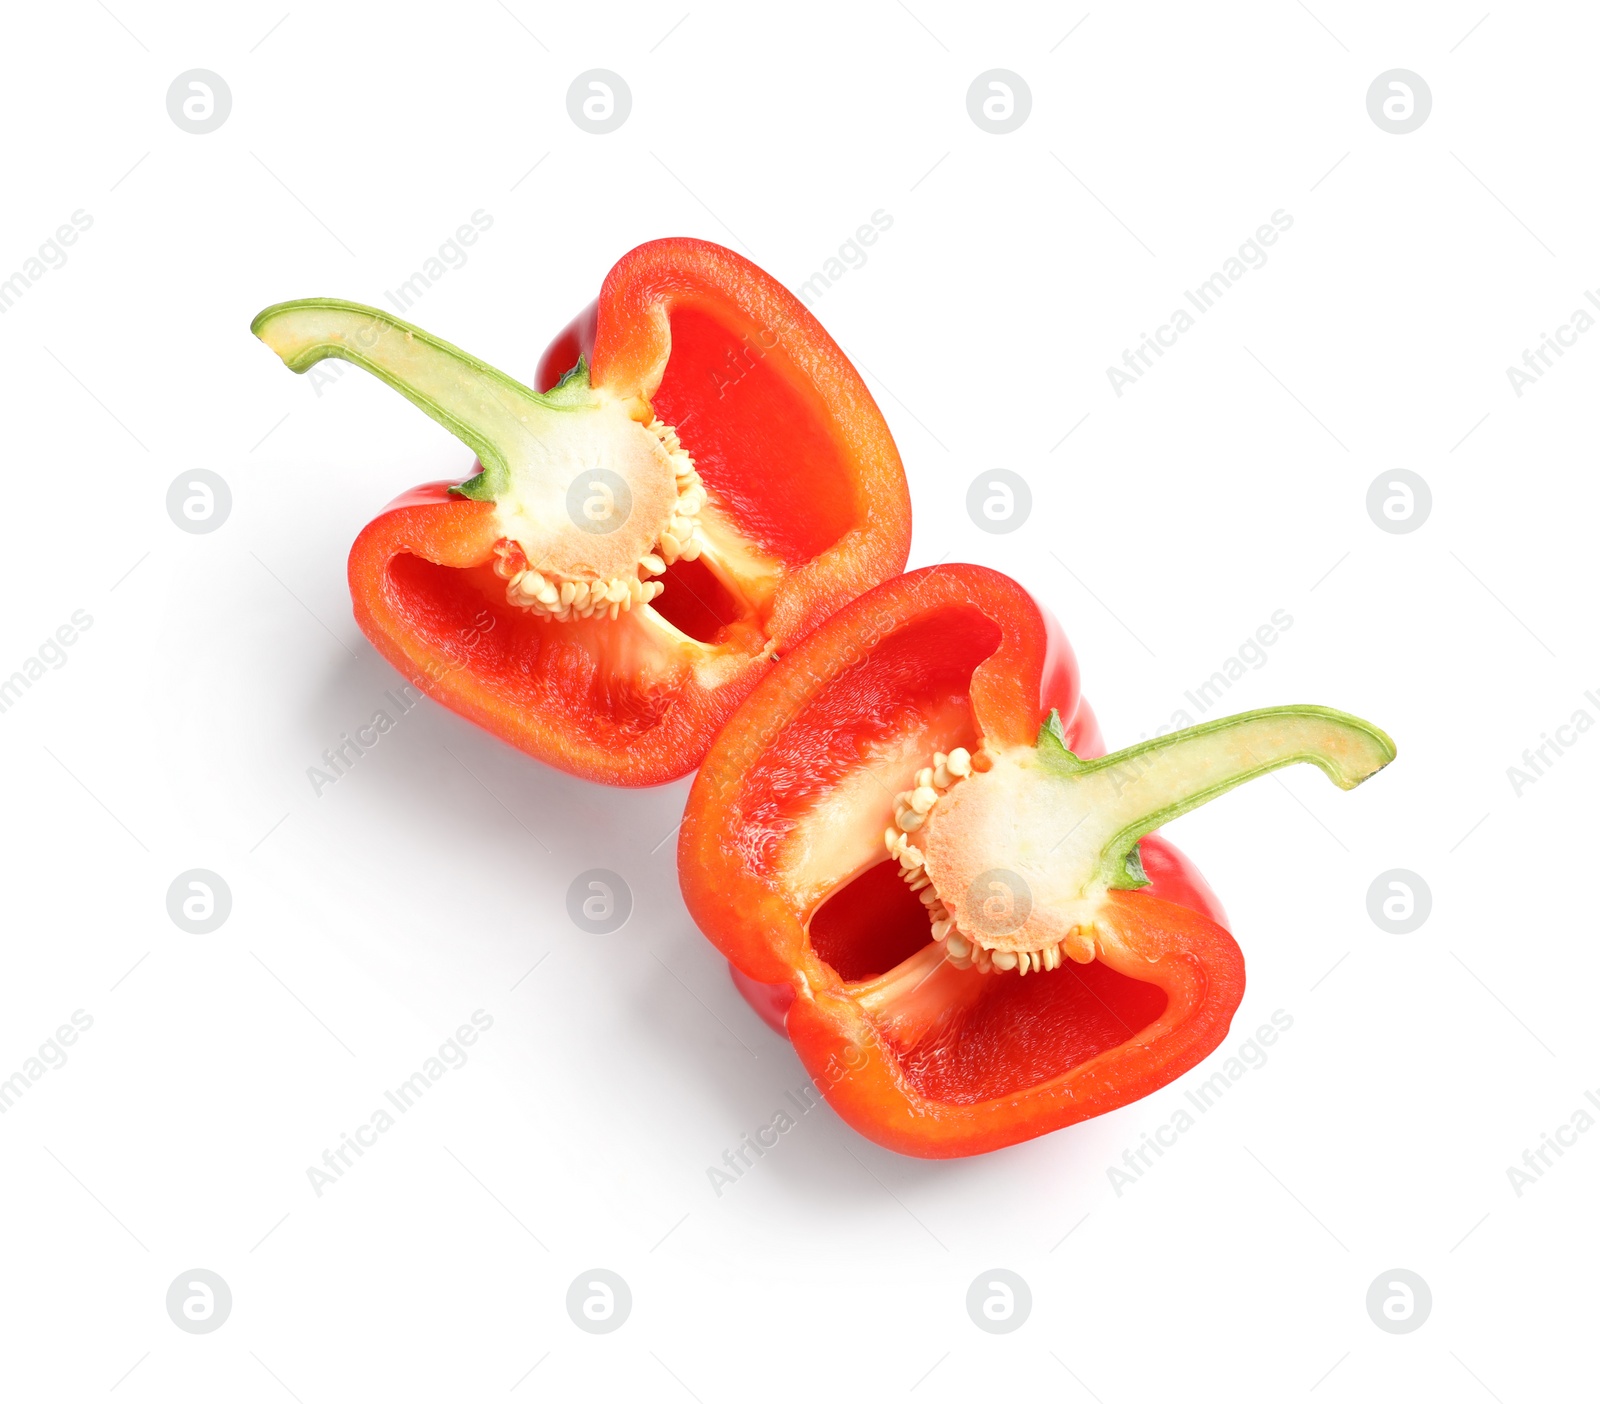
x=699, y=478
x=910, y=827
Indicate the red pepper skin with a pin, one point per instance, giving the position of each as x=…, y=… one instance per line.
x=791, y=445
x=1170, y=935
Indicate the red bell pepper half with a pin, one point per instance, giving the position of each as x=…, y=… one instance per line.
x=910, y=827
x=698, y=479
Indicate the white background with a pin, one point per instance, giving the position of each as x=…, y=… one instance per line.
x=370, y=922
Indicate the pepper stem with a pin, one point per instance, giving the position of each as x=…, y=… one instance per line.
x=499, y=419
x=1152, y=783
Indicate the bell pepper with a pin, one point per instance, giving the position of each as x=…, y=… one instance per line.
x=696, y=480
x=911, y=828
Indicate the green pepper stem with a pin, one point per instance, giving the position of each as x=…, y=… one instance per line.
x=1160, y=779
x=494, y=415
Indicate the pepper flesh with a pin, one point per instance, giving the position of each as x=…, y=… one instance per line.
x=764, y=491
x=782, y=863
